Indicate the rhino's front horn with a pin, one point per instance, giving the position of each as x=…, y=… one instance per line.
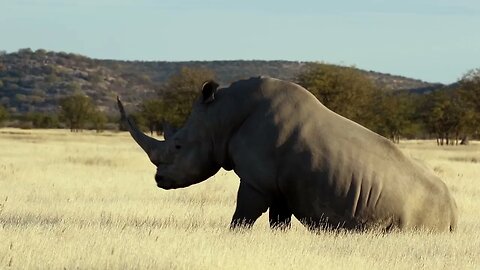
x=148, y=144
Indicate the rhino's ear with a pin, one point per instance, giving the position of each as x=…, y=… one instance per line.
x=209, y=88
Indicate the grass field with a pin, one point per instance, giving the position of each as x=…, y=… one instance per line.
x=89, y=201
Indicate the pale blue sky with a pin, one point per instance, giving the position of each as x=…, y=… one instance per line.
x=432, y=40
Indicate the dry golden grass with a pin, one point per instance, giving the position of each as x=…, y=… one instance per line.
x=89, y=201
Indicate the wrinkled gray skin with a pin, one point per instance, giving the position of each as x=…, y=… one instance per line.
x=295, y=156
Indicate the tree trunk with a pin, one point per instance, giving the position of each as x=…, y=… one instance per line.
x=464, y=140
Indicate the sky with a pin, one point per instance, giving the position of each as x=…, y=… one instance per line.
x=431, y=40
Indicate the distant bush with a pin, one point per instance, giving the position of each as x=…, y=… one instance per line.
x=98, y=120
x=43, y=120
x=3, y=114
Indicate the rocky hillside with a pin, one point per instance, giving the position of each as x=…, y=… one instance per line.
x=395, y=82
x=35, y=81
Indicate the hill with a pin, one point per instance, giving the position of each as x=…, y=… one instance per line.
x=35, y=81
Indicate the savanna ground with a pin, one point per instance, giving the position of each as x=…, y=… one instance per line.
x=89, y=201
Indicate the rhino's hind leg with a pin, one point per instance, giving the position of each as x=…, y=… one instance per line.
x=250, y=206
x=280, y=215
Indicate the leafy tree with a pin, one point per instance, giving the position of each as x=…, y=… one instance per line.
x=393, y=115
x=455, y=112
x=180, y=92
x=42, y=120
x=436, y=105
x=469, y=95
x=344, y=90
x=470, y=88
x=76, y=110
x=447, y=116
x=41, y=52
x=25, y=51
x=98, y=119
x=74, y=87
x=153, y=113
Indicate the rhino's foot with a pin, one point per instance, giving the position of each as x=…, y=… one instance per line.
x=280, y=226
x=241, y=224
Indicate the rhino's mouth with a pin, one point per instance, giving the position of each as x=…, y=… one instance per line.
x=163, y=183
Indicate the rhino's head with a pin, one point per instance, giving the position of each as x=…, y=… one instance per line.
x=185, y=157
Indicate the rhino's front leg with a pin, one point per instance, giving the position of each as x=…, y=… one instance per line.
x=250, y=206
x=280, y=215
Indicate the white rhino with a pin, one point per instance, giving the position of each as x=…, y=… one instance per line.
x=295, y=156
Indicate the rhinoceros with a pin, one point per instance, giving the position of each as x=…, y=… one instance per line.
x=295, y=156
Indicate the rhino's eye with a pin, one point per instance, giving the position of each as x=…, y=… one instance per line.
x=178, y=146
